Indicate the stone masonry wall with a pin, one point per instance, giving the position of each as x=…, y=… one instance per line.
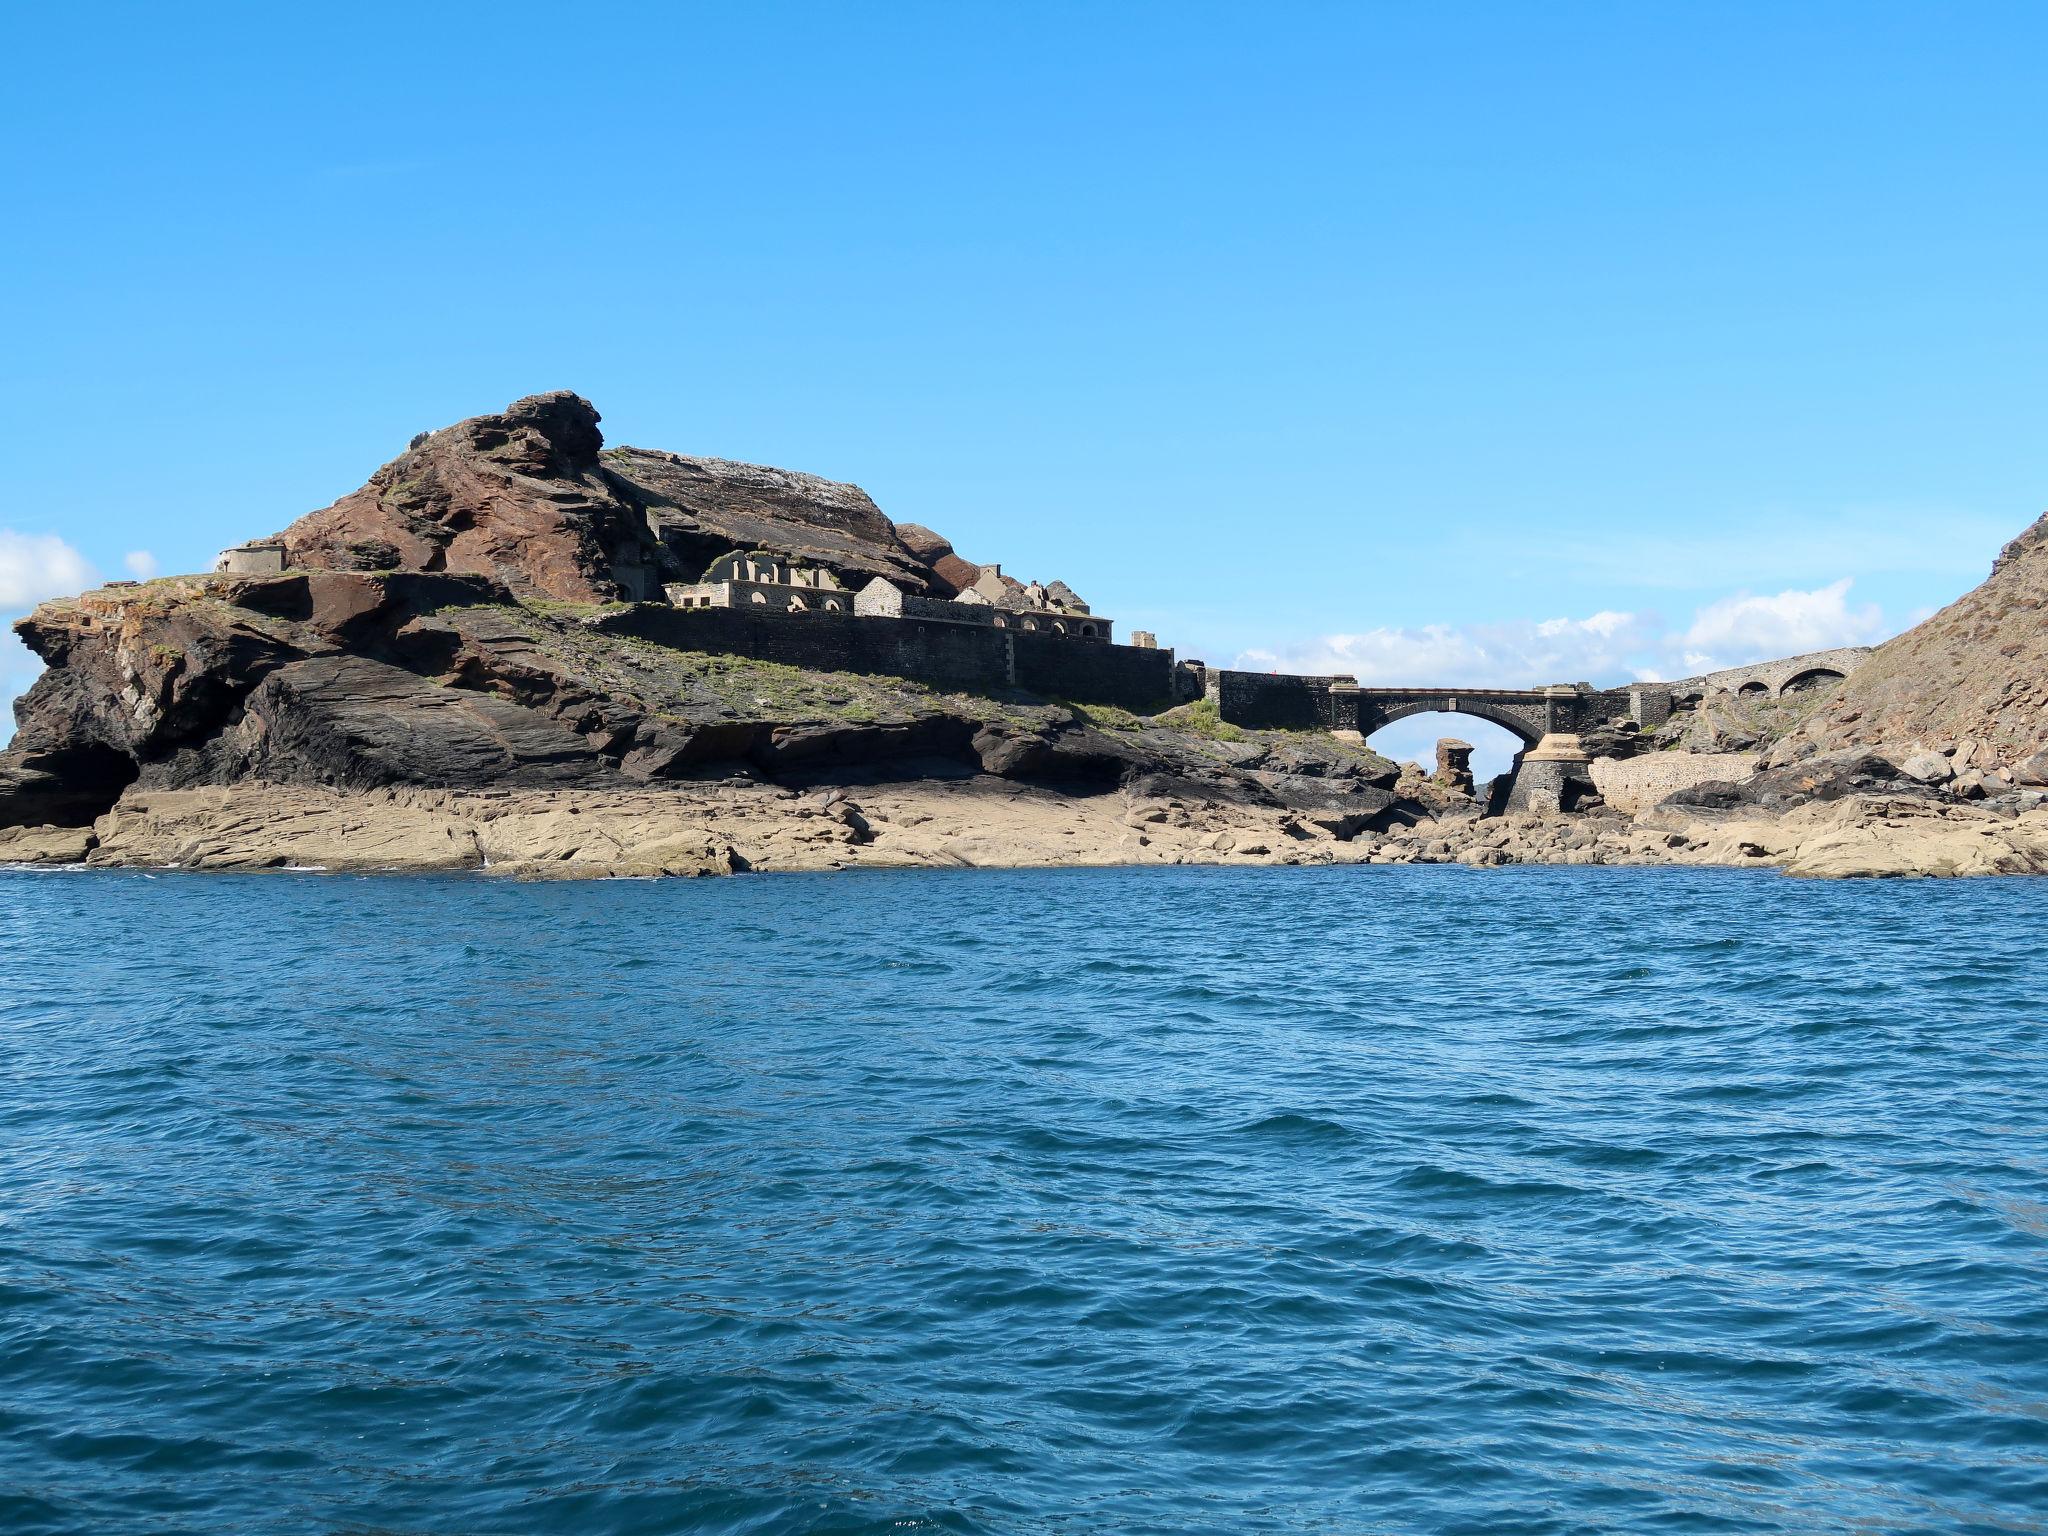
x=944, y=655
x=1773, y=675
x=1633, y=784
x=1273, y=700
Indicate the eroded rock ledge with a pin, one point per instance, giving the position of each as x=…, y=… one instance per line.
x=971, y=821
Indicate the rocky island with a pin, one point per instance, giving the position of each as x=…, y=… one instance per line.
x=520, y=651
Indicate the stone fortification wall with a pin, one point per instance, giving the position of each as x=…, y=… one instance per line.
x=1772, y=678
x=1273, y=700
x=1633, y=784
x=942, y=654
x=1278, y=700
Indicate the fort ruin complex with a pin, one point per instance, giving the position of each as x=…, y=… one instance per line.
x=810, y=573
x=997, y=633
x=761, y=580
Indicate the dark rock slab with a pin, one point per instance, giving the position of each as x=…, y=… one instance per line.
x=1829, y=777
x=360, y=724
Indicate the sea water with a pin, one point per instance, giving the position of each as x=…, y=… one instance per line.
x=1103, y=1201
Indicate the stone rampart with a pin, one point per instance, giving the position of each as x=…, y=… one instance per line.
x=1633, y=784
x=1788, y=674
x=943, y=654
x=1274, y=700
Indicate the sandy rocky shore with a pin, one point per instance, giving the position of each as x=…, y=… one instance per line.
x=976, y=822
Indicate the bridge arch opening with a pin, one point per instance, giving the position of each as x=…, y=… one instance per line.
x=1812, y=677
x=1412, y=738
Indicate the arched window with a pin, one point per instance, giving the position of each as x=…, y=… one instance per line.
x=1087, y=631
x=761, y=598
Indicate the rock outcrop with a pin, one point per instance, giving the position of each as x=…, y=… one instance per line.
x=520, y=497
x=531, y=498
x=698, y=509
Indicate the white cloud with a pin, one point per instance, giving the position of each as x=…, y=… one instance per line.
x=34, y=566
x=18, y=668
x=141, y=564
x=1521, y=654
x=1745, y=627
x=1604, y=648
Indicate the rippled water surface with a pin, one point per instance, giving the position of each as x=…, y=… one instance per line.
x=1261, y=1200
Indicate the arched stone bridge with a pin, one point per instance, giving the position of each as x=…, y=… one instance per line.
x=1530, y=713
x=1292, y=702
x=1774, y=679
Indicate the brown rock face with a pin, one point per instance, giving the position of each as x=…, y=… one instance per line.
x=520, y=496
x=1454, y=764
x=926, y=545
x=954, y=574
x=1976, y=673
x=531, y=498
x=698, y=509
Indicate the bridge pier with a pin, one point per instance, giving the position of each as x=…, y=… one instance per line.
x=1551, y=775
x=1343, y=696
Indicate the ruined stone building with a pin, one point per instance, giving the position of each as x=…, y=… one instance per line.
x=756, y=580
x=1029, y=609
x=260, y=557
x=742, y=580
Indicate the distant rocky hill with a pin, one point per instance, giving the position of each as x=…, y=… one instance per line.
x=531, y=497
x=1970, y=683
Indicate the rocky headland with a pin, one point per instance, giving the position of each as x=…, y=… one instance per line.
x=453, y=669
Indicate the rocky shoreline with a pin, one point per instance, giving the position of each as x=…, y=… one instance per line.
x=974, y=821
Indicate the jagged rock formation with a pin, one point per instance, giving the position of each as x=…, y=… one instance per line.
x=532, y=498
x=698, y=509
x=520, y=497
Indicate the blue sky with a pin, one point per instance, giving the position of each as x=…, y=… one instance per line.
x=1524, y=342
